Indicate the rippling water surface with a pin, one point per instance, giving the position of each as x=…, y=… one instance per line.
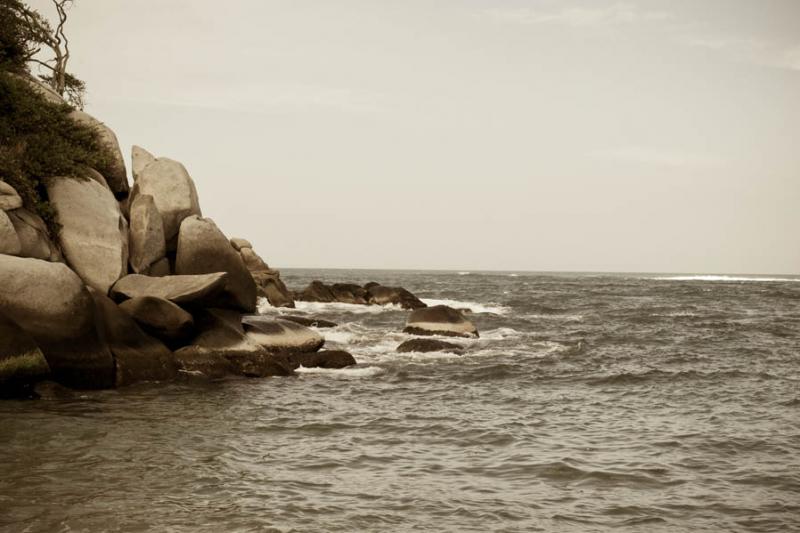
x=589, y=403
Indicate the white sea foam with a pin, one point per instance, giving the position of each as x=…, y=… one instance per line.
x=565, y=318
x=345, y=373
x=464, y=273
x=720, y=278
x=500, y=334
x=475, y=307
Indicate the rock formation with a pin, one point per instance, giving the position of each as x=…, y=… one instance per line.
x=440, y=320
x=370, y=294
x=429, y=345
x=268, y=281
x=147, y=243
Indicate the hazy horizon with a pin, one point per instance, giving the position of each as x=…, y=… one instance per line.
x=543, y=136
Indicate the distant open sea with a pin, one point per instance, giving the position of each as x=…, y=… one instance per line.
x=627, y=402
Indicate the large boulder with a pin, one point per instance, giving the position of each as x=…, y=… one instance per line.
x=198, y=291
x=321, y=359
x=349, y=293
x=203, y=248
x=268, y=281
x=140, y=158
x=33, y=236
x=239, y=244
x=114, y=172
x=439, y=320
x=50, y=302
x=380, y=295
x=147, y=243
x=138, y=356
x=429, y=345
x=223, y=348
x=160, y=318
x=9, y=240
x=276, y=335
x=317, y=292
x=9, y=199
x=173, y=191
x=94, y=234
x=22, y=363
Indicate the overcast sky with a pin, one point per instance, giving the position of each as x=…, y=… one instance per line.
x=658, y=136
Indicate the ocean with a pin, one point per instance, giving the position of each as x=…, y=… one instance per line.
x=590, y=402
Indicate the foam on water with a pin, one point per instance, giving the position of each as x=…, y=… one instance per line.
x=721, y=278
x=475, y=307
x=344, y=373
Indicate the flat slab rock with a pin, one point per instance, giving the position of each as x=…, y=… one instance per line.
x=198, y=289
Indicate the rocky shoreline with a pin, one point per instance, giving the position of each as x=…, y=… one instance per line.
x=138, y=286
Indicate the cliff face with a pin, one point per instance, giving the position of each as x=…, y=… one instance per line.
x=143, y=242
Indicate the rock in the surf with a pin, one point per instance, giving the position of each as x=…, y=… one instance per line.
x=349, y=293
x=276, y=335
x=439, y=320
x=429, y=345
x=160, y=318
x=310, y=322
x=381, y=295
x=322, y=359
x=317, y=292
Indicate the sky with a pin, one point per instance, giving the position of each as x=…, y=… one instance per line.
x=647, y=136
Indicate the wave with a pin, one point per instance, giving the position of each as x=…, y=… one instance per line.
x=474, y=307
x=265, y=308
x=346, y=373
x=721, y=278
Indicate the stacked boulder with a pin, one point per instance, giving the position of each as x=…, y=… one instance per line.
x=268, y=281
x=136, y=286
x=350, y=293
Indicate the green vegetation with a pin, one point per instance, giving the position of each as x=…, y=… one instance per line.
x=29, y=365
x=38, y=139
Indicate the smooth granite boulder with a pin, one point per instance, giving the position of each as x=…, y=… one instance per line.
x=94, y=234
x=439, y=320
x=9, y=240
x=114, y=173
x=173, y=191
x=276, y=335
x=317, y=292
x=140, y=158
x=50, y=302
x=33, y=236
x=321, y=359
x=138, y=356
x=239, y=244
x=252, y=260
x=199, y=290
x=380, y=295
x=147, y=243
x=203, y=248
x=160, y=318
x=22, y=363
x=429, y=345
x=9, y=199
x=309, y=322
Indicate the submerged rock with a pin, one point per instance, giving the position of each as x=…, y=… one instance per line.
x=322, y=359
x=309, y=322
x=203, y=249
x=50, y=303
x=349, y=293
x=439, y=320
x=199, y=290
x=317, y=292
x=94, y=234
x=370, y=294
x=160, y=318
x=138, y=356
x=429, y=345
